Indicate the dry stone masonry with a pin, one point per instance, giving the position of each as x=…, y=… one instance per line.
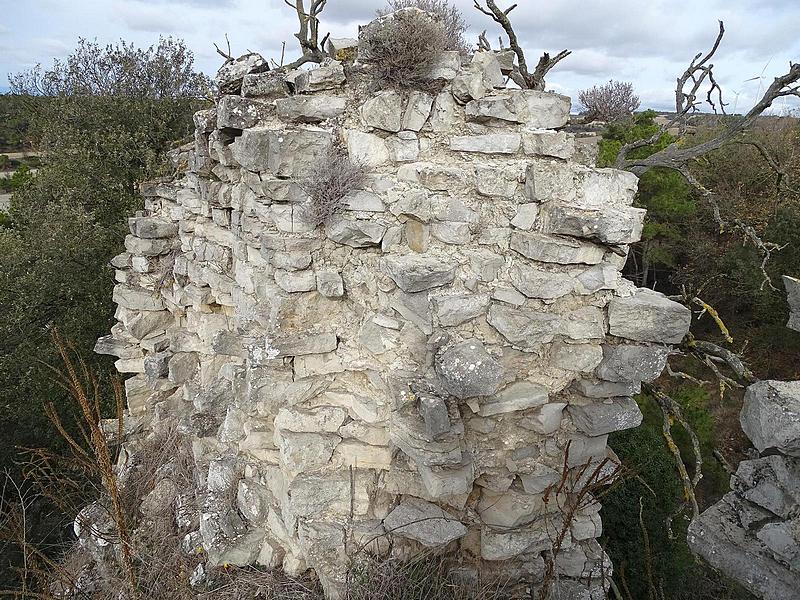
x=410, y=374
x=753, y=533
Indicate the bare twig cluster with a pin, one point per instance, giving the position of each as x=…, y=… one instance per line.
x=521, y=75
x=335, y=175
x=312, y=47
x=452, y=20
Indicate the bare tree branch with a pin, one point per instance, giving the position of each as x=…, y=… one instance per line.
x=308, y=35
x=521, y=76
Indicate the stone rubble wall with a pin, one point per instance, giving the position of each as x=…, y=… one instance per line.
x=410, y=375
x=753, y=534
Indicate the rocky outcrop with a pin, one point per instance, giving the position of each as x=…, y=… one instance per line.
x=753, y=533
x=415, y=369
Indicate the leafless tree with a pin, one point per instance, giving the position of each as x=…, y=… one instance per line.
x=611, y=102
x=678, y=156
x=308, y=35
x=521, y=75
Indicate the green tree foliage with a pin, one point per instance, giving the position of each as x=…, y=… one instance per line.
x=102, y=120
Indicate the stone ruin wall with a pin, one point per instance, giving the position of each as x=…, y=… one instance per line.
x=409, y=375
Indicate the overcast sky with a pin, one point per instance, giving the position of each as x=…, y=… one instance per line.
x=647, y=42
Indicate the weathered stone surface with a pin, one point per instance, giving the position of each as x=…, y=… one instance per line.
x=432, y=176
x=327, y=76
x=418, y=108
x=342, y=49
x=235, y=112
x=467, y=370
x=648, y=316
x=599, y=418
x=137, y=298
x=289, y=152
x=356, y=233
x=495, y=143
x=433, y=411
x=330, y=284
x=384, y=111
x=547, y=248
x=424, y=522
x=446, y=66
x=536, y=283
x=718, y=537
x=230, y=75
x=310, y=109
x=548, y=143
x=414, y=273
x=478, y=78
x=576, y=357
x=296, y=281
x=771, y=416
x=632, y=363
x=366, y=148
x=152, y=227
x=607, y=225
x=793, y=297
x=268, y=85
x=455, y=310
x=527, y=329
x=521, y=395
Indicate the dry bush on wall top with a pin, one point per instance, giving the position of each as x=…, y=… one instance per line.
x=404, y=47
x=451, y=17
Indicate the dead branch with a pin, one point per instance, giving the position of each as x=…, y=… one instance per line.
x=521, y=75
x=734, y=361
x=310, y=45
x=226, y=55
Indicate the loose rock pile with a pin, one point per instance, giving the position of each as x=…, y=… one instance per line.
x=753, y=533
x=409, y=375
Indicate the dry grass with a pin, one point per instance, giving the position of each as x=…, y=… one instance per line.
x=333, y=177
x=404, y=48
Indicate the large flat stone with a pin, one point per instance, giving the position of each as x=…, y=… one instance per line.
x=547, y=248
x=414, y=273
x=648, y=316
x=467, y=370
x=771, y=416
x=282, y=152
x=424, y=522
x=600, y=418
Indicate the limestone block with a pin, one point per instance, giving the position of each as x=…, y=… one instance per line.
x=327, y=76
x=356, y=233
x=535, y=109
x=771, y=416
x=424, y=522
x=608, y=225
x=497, y=181
x=414, y=273
x=521, y=395
x=137, y=298
x=432, y=176
x=296, y=281
x=545, y=421
x=603, y=187
x=576, y=357
x=310, y=109
x=527, y=329
x=152, y=227
x=115, y=346
x=182, y=367
x=342, y=49
x=458, y=309
x=451, y=232
x=501, y=544
x=325, y=419
x=495, y=143
x=441, y=483
x=552, y=249
x=330, y=284
x=305, y=452
x=771, y=482
x=443, y=114
x=602, y=276
x=511, y=509
x=230, y=75
x=632, y=363
x=289, y=152
x=599, y=418
x=366, y=148
x=537, y=283
x=235, y=112
x=300, y=344
x=526, y=216
x=268, y=85
x=467, y=370
x=446, y=66
x=149, y=246
x=404, y=147
x=478, y=78
x=648, y=316
x=384, y=111
x=358, y=455
x=557, y=144
x=550, y=180
x=433, y=411
x=585, y=323
x=418, y=108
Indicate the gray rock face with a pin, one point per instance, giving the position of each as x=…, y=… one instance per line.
x=424, y=522
x=527, y=329
x=310, y=109
x=384, y=111
x=467, y=370
x=609, y=225
x=356, y=233
x=771, y=416
x=267, y=85
x=628, y=363
x=536, y=110
x=433, y=411
x=482, y=74
x=600, y=418
x=230, y=75
x=235, y=112
x=521, y=395
x=547, y=248
x=719, y=538
x=536, y=283
x=414, y=273
x=648, y=316
x=289, y=152
x=793, y=297
x=327, y=76
x=152, y=227
x=495, y=143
